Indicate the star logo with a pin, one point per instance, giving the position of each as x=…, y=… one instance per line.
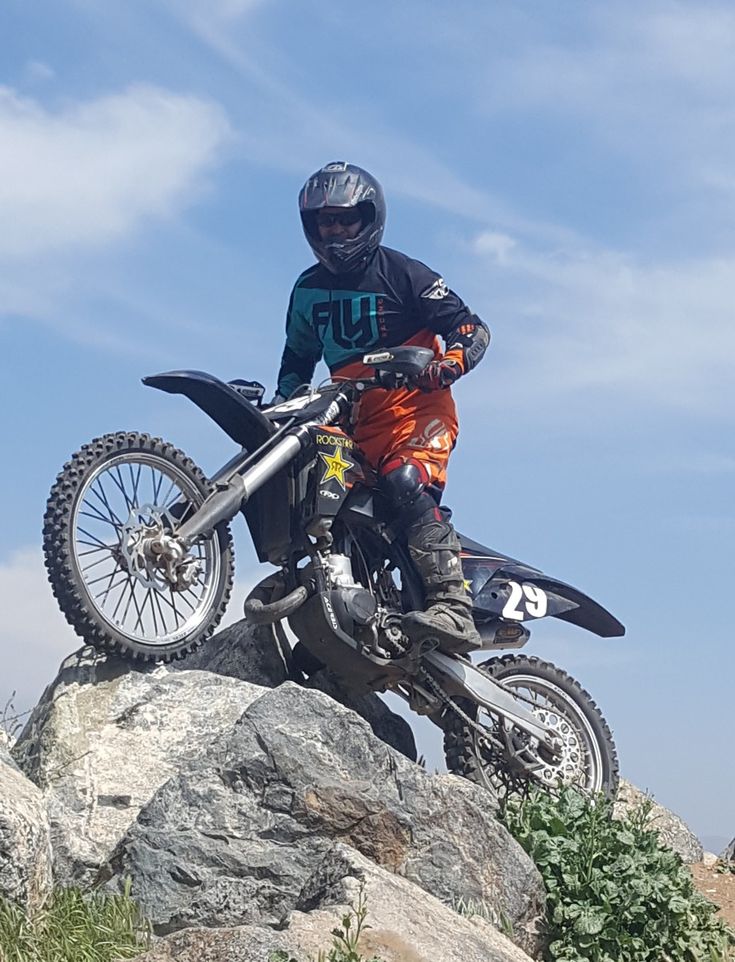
x=336, y=467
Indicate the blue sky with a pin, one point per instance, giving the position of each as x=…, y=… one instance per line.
x=570, y=173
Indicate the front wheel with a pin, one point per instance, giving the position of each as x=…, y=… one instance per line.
x=113, y=505
x=508, y=762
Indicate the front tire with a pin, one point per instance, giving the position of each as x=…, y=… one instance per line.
x=102, y=501
x=588, y=758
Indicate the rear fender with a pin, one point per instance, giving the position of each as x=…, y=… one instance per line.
x=519, y=593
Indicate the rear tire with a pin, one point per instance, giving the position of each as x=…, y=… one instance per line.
x=589, y=759
x=87, y=533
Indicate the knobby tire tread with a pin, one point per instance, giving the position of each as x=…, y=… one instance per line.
x=57, y=545
x=458, y=736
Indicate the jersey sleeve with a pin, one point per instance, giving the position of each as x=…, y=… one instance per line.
x=302, y=352
x=465, y=336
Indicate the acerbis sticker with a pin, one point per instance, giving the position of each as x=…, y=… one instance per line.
x=525, y=600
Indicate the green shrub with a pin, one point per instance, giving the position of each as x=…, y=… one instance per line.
x=615, y=894
x=73, y=927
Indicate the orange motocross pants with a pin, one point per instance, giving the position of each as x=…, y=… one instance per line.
x=404, y=426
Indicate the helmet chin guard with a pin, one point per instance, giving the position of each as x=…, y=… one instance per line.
x=340, y=184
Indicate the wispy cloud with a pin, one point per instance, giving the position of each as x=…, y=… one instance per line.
x=92, y=172
x=652, y=82
x=596, y=319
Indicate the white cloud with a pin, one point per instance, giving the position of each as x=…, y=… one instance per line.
x=34, y=637
x=497, y=245
x=91, y=172
x=594, y=321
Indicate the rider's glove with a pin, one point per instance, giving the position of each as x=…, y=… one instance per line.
x=438, y=374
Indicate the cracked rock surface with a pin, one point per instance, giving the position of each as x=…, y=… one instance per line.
x=236, y=840
x=406, y=924
x=106, y=735
x=25, y=841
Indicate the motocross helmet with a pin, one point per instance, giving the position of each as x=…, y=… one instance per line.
x=340, y=184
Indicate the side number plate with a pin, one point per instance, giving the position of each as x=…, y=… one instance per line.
x=525, y=601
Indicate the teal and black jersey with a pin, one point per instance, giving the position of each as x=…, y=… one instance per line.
x=394, y=300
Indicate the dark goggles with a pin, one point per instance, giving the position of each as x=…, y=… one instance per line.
x=345, y=217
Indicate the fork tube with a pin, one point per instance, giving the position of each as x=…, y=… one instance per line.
x=229, y=498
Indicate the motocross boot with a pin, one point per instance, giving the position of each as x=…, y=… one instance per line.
x=435, y=550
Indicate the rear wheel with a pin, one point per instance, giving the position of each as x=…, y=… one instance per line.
x=508, y=762
x=113, y=506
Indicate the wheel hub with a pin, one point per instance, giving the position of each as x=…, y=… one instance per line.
x=153, y=556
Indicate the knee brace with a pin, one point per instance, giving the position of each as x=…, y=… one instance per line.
x=405, y=487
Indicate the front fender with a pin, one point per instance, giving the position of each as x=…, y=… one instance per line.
x=237, y=417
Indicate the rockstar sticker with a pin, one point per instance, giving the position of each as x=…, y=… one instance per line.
x=336, y=466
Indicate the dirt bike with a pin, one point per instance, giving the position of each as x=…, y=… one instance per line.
x=139, y=555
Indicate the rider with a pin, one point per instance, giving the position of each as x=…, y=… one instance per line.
x=361, y=297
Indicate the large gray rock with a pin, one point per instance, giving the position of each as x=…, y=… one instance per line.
x=106, y=735
x=729, y=854
x=248, y=652
x=671, y=830
x=5, y=746
x=25, y=840
x=245, y=943
x=386, y=724
x=262, y=655
x=406, y=924
x=236, y=842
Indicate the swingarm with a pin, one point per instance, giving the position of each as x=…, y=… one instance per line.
x=460, y=678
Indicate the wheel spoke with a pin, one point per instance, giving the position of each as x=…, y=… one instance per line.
x=165, y=500
x=95, y=539
x=149, y=600
x=95, y=581
x=119, y=601
x=135, y=480
x=138, y=611
x=97, y=515
x=102, y=496
x=107, y=547
x=95, y=563
x=103, y=594
x=157, y=600
x=156, y=482
x=121, y=577
x=117, y=479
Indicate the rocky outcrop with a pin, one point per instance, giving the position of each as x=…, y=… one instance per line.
x=406, y=924
x=389, y=727
x=25, y=839
x=729, y=854
x=248, y=652
x=106, y=735
x=237, y=841
x=262, y=655
x=671, y=830
x=249, y=811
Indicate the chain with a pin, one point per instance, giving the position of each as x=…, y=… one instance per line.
x=433, y=685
